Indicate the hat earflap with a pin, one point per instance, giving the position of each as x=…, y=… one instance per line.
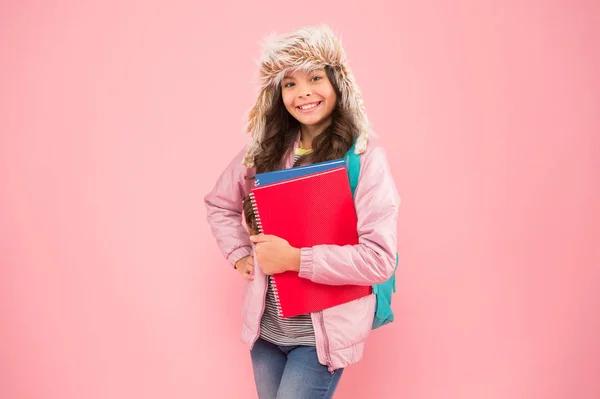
x=256, y=123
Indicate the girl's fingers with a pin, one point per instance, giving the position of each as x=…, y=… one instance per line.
x=248, y=275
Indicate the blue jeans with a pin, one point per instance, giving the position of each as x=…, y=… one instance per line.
x=291, y=372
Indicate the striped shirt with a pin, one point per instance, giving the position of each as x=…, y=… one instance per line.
x=295, y=330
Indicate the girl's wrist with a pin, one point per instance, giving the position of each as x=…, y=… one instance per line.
x=294, y=259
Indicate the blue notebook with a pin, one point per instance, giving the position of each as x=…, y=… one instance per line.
x=298, y=171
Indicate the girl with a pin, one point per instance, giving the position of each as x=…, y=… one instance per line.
x=309, y=110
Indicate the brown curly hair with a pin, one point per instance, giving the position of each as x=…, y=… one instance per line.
x=249, y=216
x=281, y=129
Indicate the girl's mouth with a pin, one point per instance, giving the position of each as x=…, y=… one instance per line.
x=308, y=108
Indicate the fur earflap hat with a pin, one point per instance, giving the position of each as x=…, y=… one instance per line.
x=307, y=48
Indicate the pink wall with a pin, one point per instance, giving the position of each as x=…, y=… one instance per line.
x=116, y=118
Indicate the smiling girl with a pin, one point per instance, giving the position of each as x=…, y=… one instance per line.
x=309, y=110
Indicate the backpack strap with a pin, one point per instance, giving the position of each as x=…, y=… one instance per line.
x=383, y=291
x=353, y=166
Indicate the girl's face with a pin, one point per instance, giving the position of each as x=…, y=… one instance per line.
x=309, y=97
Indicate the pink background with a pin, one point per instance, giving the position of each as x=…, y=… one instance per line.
x=117, y=117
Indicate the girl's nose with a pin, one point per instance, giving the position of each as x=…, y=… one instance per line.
x=304, y=90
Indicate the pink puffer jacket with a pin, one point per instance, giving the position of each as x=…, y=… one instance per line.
x=340, y=331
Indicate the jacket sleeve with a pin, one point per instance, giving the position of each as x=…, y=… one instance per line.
x=224, y=210
x=373, y=260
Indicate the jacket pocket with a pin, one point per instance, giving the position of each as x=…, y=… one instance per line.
x=349, y=323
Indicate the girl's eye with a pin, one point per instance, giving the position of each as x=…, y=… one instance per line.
x=316, y=78
x=290, y=84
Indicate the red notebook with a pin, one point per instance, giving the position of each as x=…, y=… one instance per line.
x=308, y=211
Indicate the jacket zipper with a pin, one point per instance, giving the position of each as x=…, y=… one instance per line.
x=264, y=299
x=326, y=344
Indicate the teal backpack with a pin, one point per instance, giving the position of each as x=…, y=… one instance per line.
x=383, y=292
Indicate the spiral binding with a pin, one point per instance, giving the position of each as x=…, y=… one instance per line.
x=256, y=213
x=271, y=279
x=276, y=295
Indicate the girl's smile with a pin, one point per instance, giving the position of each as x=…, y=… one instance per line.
x=309, y=107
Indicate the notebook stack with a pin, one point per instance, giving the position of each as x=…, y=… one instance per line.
x=308, y=206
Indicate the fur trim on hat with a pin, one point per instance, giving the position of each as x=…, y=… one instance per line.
x=307, y=48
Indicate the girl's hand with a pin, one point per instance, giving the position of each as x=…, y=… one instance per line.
x=246, y=267
x=275, y=255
